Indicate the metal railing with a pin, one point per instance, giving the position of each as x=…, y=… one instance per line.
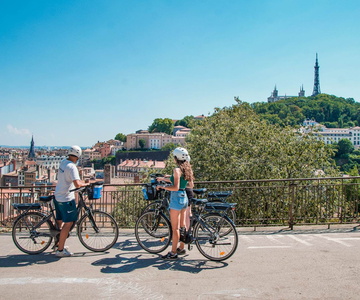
x=259, y=202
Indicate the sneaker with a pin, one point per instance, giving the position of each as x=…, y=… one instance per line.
x=64, y=253
x=170, y=256
x=180, y=251
x=55, y=247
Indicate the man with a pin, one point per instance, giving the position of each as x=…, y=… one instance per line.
x=66, y=213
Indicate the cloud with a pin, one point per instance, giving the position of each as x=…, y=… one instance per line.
x=14, y=130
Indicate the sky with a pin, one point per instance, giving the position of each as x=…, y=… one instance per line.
x=81, y=71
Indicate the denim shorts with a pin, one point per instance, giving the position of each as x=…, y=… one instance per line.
x=66, y=211
x=178, y=200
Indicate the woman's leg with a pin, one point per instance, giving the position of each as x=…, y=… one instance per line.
x=175, y=221
x=186, y=222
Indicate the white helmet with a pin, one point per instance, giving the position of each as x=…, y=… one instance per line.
x=75, y=150
x=181, y=154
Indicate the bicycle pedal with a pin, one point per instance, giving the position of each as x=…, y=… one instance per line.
x=190, y=247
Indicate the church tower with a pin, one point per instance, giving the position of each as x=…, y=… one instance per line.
x=316, y=90
x=302, y=91
x=31, y=155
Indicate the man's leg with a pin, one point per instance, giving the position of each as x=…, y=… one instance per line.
x=64, y=234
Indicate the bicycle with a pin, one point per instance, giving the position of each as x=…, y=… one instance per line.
x=213, y=196
x=34, y=229
x=212, y=231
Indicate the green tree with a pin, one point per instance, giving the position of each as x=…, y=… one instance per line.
x=322, y=108
x=120, y=137
x=142, y=143
x=234, y=144
x=162, y=125
x=168, y=146
x=345, y=147
x=186, y=121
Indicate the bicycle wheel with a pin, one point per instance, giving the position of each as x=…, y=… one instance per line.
x=210, y=238
x=97, y=231
x=153, y=231
x=231, y=215
x=151, y=206
x=28, y=239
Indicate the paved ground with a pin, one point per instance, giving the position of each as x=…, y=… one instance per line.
x=307, y=263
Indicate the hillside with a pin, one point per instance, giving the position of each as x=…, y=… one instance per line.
x=330, y=110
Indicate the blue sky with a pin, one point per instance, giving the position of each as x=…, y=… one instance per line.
x=78, y=72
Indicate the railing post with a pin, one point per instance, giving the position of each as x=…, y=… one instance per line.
x=292, y=203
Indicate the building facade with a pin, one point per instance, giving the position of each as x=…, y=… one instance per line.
x=332, y=135
x=154, y=140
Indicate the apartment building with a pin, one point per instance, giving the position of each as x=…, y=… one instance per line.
x=332, y=135
x=90, y=154
x=132, y=168
x=51, y=162
x=155, y=140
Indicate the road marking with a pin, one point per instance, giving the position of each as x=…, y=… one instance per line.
x=299, y=240
x=267, y=247
x=247, y=239
x=275, y=238
x=339, y=240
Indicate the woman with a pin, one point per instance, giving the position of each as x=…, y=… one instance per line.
x=182, y=175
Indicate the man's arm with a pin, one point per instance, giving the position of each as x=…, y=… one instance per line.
x=79, y=183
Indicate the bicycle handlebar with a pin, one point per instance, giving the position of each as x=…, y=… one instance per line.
x=87, y=186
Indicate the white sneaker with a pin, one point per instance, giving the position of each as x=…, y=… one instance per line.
x=64, y=253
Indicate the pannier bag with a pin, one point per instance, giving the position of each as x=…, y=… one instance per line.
x=149, y=192
x=95, y=192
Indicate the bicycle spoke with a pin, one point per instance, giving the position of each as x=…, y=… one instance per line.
x=216, y=238
x=98, y=232
x=153, y=231
x=29, y=239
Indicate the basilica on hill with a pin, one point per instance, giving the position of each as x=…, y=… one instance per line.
x=275, y=96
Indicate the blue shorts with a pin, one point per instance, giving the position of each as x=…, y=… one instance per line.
x=178, y=200
x=66, y=211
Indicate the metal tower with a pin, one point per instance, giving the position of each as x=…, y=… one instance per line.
x=316, y=90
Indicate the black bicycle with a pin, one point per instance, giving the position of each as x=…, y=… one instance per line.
x=35, y=228
x=212, y=231
x=149, y=190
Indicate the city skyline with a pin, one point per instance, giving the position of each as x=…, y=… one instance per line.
x=81, y=72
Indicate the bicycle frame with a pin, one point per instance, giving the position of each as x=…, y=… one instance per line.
x=55, y=230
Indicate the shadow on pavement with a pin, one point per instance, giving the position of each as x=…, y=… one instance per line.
x=123, y=264
x=23, y=260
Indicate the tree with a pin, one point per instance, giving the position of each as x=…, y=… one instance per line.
x=234, y=144
x=186, y=121
x=120, y=137
x=345, y=147
x=169, y=146
x=142, y=143
x=162, y=125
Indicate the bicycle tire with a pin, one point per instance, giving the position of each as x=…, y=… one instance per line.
x=212, y=242
x=100, y=236
x=153, y=231
x=28, y=240
x=151, y=206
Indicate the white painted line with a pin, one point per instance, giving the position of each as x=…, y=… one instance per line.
x=274, y=239
x=247, y=239
x=299, y=240
x=339, y=241
x=267, y=247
